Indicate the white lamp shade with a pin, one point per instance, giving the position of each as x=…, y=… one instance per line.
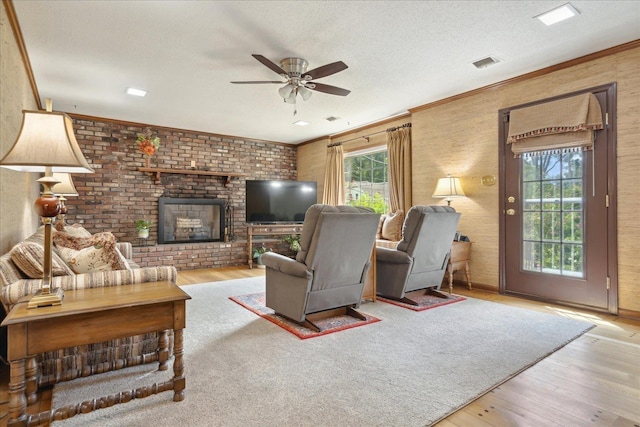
x=285, y=91
x=65, y=187
x=448, y=188
x=304, y=93
x=46, y=139
x=291, y=99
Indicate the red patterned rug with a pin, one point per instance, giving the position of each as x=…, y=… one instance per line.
x=425, y=301
x=327, y=325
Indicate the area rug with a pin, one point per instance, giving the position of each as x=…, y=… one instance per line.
x=425, y=301
x=406, y=370
x=256, y=303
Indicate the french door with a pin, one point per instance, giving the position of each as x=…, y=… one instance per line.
x=558, y=236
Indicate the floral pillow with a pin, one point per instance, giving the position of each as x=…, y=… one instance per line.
x=89, y=254
x=75, y=230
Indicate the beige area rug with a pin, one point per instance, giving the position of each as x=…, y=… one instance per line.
x=410, y=369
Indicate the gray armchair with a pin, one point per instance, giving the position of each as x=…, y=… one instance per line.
x=331, y=267
x=420, y=259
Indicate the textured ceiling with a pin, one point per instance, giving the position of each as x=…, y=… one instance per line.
x=401, y=54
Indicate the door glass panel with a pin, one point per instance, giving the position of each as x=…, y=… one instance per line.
x=552, y=214
x=532, y=258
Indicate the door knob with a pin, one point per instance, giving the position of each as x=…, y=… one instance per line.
x=511, y=199
x=511, y=212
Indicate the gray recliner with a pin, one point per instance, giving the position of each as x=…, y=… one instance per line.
x=331, y=267
x=420, y=258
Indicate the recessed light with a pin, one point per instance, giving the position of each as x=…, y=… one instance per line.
x=558, y=14
x=301, y=123
x=136, y=92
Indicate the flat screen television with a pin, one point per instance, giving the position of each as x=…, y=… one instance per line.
x=271, y=202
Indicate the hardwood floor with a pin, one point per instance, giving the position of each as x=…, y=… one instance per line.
x=594, y=380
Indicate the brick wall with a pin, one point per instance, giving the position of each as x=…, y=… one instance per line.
x=118, y=194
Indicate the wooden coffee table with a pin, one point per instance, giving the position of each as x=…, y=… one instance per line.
x=89, y=316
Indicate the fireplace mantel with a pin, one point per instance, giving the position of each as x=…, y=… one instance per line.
x=158, y=171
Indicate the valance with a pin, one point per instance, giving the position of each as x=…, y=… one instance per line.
x=567, y=123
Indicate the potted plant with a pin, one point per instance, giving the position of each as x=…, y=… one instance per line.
x=257, y=254
x=294, y=241
x=142, y=225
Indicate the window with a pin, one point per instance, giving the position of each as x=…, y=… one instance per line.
x=366, y=179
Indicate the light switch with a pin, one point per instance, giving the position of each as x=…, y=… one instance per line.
x=488, y=180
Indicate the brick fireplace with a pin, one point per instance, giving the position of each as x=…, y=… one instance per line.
x=191, y=220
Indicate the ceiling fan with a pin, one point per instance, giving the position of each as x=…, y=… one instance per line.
x=298, y=80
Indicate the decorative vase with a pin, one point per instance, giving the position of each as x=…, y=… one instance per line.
x=143, y=233
x=259, y=263
x=146, y=163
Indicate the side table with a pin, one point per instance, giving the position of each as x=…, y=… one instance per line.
x=460, y=256
x=88, y=316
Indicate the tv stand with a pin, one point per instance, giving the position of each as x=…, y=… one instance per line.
x=268, y=230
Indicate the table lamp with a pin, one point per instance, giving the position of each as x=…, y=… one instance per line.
x=63, y=189
x=46, y=143
x=448, y=188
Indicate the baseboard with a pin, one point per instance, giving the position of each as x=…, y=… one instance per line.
x=474, y=285
x=629, y=314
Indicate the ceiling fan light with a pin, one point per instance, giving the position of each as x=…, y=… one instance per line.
x=291, y=99
x=304, y=93
x=285, y=91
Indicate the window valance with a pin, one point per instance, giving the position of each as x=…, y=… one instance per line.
x=565, y=124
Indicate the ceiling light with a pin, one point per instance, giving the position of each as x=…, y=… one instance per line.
x=304, y=93
x=301, y=123
x=285, y=91
x=136, y=92
x=558, y=14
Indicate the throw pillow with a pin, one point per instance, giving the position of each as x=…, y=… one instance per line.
x=379, y=232
x=28, y=256
x=392, y=227
x=75, y=230
x=89, y=254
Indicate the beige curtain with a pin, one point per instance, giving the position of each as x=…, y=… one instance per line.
x=399, y=153
x=333, y=193
x=564, y=124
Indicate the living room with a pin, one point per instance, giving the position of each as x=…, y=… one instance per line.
x=454, y=135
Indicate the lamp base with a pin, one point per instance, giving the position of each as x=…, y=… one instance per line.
x=44, y=299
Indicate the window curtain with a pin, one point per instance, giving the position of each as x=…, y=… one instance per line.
x=333, y=192
x=399, y=154
x=565, y=124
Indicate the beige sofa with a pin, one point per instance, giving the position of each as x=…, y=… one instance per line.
x=390, y=230
x=19, y=270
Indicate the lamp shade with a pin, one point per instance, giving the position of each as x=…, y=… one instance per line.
x=285, y=91
x=65, y=185
x=304, y=93
x=448, y=188
x=46, y=139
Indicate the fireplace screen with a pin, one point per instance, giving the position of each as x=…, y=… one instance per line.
x=190, y=220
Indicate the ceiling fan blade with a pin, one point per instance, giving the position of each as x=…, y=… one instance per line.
x=259, y=82
x=325, y=70
x=319, y=87
x=269, y=64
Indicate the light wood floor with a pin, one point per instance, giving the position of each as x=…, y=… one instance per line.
x=593, y=381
